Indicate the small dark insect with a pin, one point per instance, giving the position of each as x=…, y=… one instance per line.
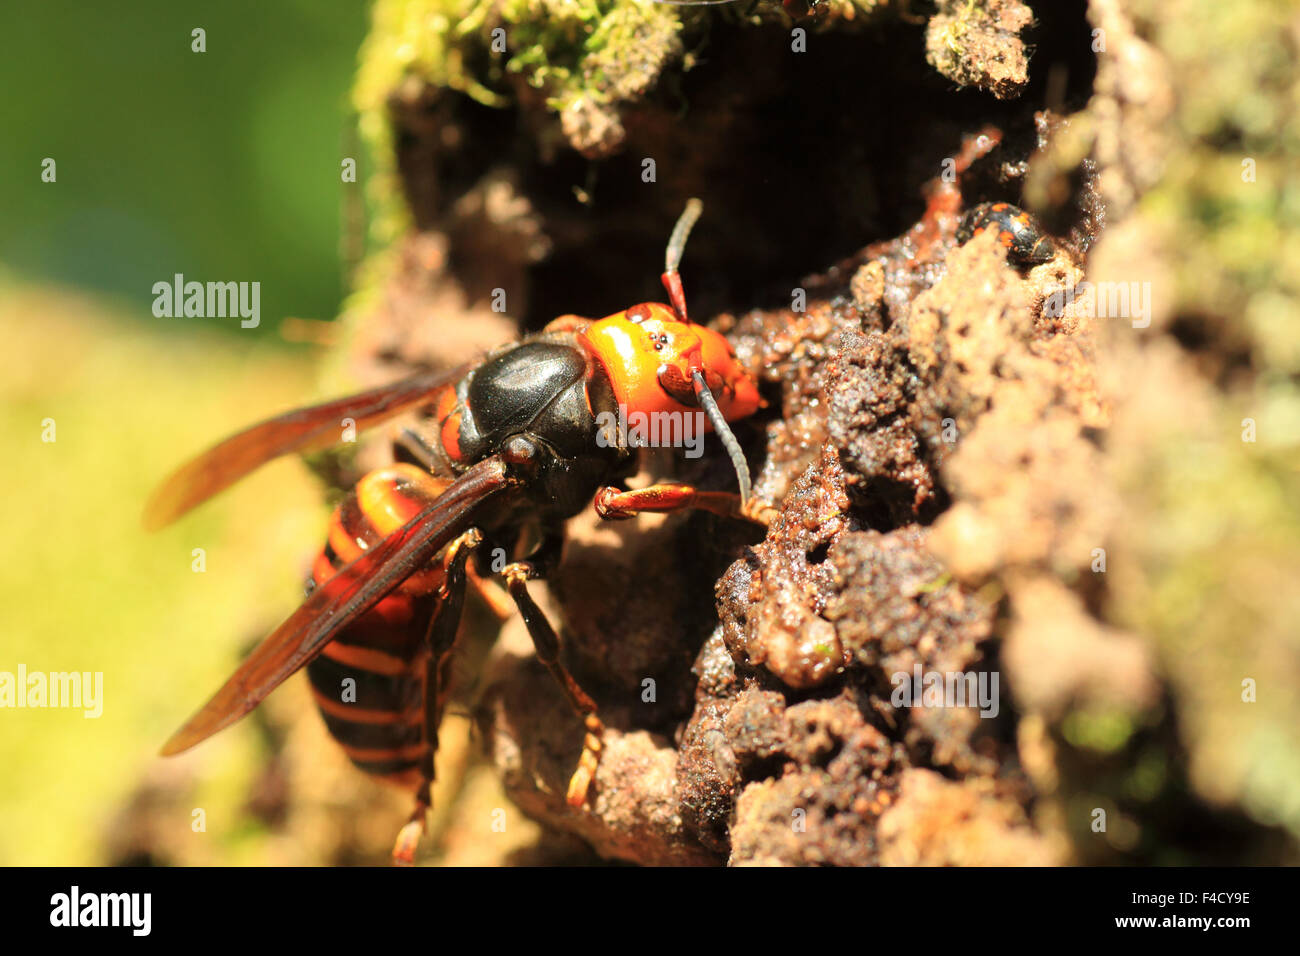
x=1018, y=232
x=508, y=449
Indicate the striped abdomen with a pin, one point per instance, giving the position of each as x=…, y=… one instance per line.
x=368, y=681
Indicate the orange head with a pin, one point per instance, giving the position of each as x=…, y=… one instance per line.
x=651, y=358
x=658, y=360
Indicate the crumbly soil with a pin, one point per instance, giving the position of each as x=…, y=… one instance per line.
x=972, y=472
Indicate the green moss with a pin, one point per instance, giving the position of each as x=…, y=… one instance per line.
x=1217, y=552
x=1148, y=776
x=938, y=584
x=951, y=35
x=605, y=49
x=1208, y=544
x=1105, y=731
x=1229, y=192
x=597, y=52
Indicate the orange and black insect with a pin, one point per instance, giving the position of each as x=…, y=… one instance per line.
x=1019, y=234
x=510, y=449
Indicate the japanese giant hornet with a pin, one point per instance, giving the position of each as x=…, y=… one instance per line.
x=512, y=446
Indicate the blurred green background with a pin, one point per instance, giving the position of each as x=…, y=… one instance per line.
x=224, y=166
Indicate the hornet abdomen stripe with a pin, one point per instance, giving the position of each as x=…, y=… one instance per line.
x=368, y=681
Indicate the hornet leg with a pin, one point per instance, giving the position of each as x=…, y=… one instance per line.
x=438, y=642
x=547, y=645
x=613, y=504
